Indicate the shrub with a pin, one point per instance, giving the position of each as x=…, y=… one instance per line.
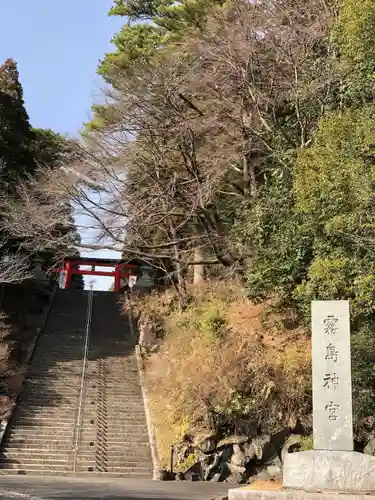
x=225, y=364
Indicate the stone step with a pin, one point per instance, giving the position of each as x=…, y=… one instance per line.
x=66, y=453
x=31, y=409
x=39, y=461
x=38, y=472
x=40, y=439
x=65, y=465
x=87, y=433
x=121, y=415
x=127, y=439
x=38, y=444
x=121, y=469
x=34, y=386
x=45, y=423
x=82, y=459
x=40, y=433
x=15, y=464
x=109, y=465
x=84, y=451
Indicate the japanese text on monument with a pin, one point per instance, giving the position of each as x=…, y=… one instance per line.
x=331, y=375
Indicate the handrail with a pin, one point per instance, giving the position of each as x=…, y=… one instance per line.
x=78, y=422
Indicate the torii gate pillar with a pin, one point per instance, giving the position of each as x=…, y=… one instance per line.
x=117, y=284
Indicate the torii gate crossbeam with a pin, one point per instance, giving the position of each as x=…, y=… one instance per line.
x=122, y=269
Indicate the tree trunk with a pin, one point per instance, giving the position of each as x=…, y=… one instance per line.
x=198, y=270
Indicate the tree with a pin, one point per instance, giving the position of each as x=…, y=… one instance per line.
x=22, y=151
x=16, y=134
x=137, y=42
x=192, y=134
x=50, y=150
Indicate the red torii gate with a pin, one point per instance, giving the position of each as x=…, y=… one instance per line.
x=122, y=269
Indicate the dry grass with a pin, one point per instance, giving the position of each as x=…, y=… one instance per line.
x=224, y=363
x=266, y=485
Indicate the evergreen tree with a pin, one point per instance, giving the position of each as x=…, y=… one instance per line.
x=23, y=149
x=49, y=150
x=16, y=134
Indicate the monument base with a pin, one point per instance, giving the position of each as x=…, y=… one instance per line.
x=246, y=494
x=339, y=471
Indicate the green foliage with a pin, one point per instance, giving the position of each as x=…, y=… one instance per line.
x=209, y=320
x=334, y=182
x=329, y=177
x=23, y=149
x=47, y=147
x=212, y=322
x=134, y=44
x=16, y=135
x=166, y=14
x=363, y=369
x=354, y=35
x=137, y=43
x=307, y=443
x=310, y=235
x=189, y=461
x=277, y=250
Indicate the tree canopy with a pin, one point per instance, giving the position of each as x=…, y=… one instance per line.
x=24, y=150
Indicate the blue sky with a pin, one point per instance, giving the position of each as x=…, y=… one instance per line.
x=57, y=46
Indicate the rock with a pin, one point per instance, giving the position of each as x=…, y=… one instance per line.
x=207, y=444
x=146, y=334
x=249, y=451
x=235, y=479
x=261, y=476
x=232, y=440
x=276, y=462
x=215, y=478
x=236, y=469
x=226, y=453
x=180, y=476
x=274, y=471
x=246, y=428
x=278, y=440
x=206, y=461
x=238, y=458
x=369, y=422
x=192, y=476
x=213, y=469
x=275, y=468
x=195, y=470
x=292, y=444
x=260, y=445
x=370, y=447
x=164, y=475
x=295, y=425
x=267, y=447
x=224, y=470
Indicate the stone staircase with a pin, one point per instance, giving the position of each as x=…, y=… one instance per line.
x=66, y=424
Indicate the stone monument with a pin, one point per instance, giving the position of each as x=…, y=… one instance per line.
x=332, y=465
